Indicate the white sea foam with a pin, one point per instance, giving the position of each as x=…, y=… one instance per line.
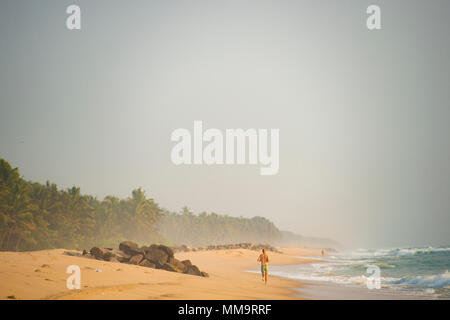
x=396, y=251
x=437, y=281
x=415, y=270
x=329, y=277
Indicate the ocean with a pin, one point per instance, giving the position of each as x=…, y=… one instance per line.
x=422, y=272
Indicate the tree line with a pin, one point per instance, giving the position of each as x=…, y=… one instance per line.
x=208, y=229
x=35, y=216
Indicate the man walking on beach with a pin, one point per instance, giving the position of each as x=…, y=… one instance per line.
x=264, y=259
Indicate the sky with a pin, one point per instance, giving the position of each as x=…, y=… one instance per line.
x=363, y=115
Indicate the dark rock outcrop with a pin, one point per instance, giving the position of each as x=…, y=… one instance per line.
x=187, y=263
x=146, y=263
x=98, y=253
x=113, y=254
x=194, y=270
x=157, y=256
x=136, y=259
x=130, y=248
x=154, y=256
x=177, y=264
x=167, y=250
x=170, y=267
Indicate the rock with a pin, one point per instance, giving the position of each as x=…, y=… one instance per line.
x=170, y=267
x=128, y=245
x=98, y=253
x=157, y=256
x=167, y=250
x=130, y=248
x=146, y=263
x=154, y=256
x=108, y=255
x=152, y=247
x=116, y=254
x=113, y=259
x=120, y=255
x=187, y=263
x=72, y=253
x=178, y=264
x=136, y=259
x=194, y=270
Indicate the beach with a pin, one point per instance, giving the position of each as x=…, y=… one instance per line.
x=42, y=275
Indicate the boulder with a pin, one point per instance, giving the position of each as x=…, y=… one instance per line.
x=150, y=248
x=194, y=270
x=98, y=253
x=108, y=255
x=72, y=253
x=113, y=259
x=130, y=248
x=204, y=274
x=120, y=255
x=136, y=259
x=170, y=267
x=187, y=263
x=157, y=256
x=167, y=250
x=117, y=255
x=146, y=263
x=153, y=246
x=178, y=264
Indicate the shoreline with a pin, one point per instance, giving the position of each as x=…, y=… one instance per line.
x=322, y=290
x=42, y=275
x=328, y=290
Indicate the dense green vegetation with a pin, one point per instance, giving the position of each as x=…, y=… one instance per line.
x=204, y=229
x=35, y=216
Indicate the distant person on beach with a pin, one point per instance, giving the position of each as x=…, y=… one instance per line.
x=264, y=259
x=323, y=252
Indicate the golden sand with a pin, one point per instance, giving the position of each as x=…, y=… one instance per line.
x=42, y=275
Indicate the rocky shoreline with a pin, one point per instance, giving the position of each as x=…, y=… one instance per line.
x=159, y=256
x=244, y=245
x=154, y=256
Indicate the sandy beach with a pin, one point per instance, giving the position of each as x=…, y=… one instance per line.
x=42, y=275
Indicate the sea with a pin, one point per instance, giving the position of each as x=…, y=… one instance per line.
x=418, y=272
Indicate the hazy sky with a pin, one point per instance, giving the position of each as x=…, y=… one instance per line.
x=363, y=115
